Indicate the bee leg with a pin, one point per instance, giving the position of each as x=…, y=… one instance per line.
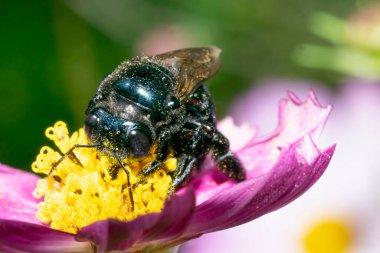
x=183, y=171
x=225, y=160
x=128, y=181
x=71, y=155
x=162, y=152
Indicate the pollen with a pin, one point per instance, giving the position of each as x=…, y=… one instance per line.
x=91, y=186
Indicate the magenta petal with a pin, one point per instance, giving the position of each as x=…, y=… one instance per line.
x=20, y=237
x=305, y=176
x=296, y=120
x=279, y=167
x=146, y=230
x=291, y=176
x=17, y=202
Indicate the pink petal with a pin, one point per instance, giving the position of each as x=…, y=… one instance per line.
x=296, y=119
x=16, y=199
x=291, y=176
x=140, y=233
x=280, y=167
x=259, y=156
x=20, y=237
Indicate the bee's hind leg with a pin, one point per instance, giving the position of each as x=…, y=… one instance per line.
x=225, y=160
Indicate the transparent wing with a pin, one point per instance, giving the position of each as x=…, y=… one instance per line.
x=193, y=65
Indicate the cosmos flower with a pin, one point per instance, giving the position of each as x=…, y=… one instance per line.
x=341, y=213
x=280, y=167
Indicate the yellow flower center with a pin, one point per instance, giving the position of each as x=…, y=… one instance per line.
x=328, y=236
x=76, y=195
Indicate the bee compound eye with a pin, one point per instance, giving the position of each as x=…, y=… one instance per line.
x=139, y=143
x=92, y=120
x=90, y=123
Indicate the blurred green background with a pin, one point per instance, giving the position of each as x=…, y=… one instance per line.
x=53, y=54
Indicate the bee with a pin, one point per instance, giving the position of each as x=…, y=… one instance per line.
x=160, y=100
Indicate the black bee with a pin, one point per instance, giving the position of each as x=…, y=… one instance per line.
x=160, y=100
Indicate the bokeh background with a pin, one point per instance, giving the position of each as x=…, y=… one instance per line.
x=53, y=54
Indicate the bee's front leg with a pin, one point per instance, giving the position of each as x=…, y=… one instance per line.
x=186, y=163
x=162, y=152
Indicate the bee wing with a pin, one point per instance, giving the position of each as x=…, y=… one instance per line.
x=193, y=65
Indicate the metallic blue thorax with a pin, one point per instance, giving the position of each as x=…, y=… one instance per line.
x=148, y=86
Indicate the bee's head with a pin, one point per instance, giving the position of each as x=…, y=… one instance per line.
x=125, y=138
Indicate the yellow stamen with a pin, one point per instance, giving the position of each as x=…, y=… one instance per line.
x=76, y=196
x=328, y=236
